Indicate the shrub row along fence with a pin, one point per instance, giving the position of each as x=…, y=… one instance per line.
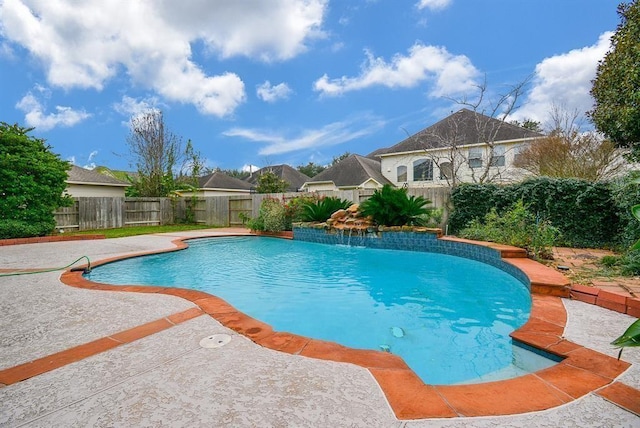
x=588, y=214
x=108, y=213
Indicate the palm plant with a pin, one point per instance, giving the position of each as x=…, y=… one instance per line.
x=322, y=209
x=630, y=338
x=393, y=207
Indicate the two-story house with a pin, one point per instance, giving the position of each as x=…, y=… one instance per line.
x=465, y=147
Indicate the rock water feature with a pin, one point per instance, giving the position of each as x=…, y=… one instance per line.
x=349, y=227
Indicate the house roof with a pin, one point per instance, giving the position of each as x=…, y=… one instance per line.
x=220, y=180
x=77, y=175
x=352, y=171
x=285, y=172
x=465, y=127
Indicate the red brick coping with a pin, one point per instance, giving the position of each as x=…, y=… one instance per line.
x=607, y=299
x=581, y=371
x=53, y=238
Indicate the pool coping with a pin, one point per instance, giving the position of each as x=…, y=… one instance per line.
x=581, y=371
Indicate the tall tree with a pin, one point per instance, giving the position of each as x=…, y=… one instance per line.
x=567, y=152
x=530, y=124
x=157, y=152
x=616, y=88
x=269, y=182
x=32, y=183
x=337, y=159
x=311, y=169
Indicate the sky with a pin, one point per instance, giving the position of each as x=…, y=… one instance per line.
x=263, y=82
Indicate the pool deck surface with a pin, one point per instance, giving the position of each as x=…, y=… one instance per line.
x=72, y=356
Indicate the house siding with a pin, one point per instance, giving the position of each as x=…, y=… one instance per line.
x=96, y=191
x=498, y=174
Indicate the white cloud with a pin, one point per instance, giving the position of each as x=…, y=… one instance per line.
x=450, y=74
x=269, y=93
x=564, y=80
x=36, y=116
x=85, y=44
x=250, y=168
x=132, y=107
x=433, y=4
x=330, y=135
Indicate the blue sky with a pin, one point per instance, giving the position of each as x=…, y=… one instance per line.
x=257, y=82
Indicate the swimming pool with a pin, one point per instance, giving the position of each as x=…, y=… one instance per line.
x=449, y=318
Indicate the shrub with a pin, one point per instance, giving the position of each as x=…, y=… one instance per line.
x=321, y=209
x=584, y=211
x=517, y=227
x=21, y=229
x=610, y=261
x=294, y=208
x=271, y=217
x=32, y=183
x=626, y=194
x=630, y=263
x=390, y=206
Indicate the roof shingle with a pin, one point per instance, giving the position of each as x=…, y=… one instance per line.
x=462, y=128
x=352, y=171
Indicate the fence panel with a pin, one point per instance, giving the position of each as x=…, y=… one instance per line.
x=142, y=212
x=217, y=211
x=105, y=212
x=67, y=218
x=100, y=213
x=240, y=205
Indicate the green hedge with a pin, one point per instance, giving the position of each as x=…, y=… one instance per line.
x=586, y=213
x=20, y=229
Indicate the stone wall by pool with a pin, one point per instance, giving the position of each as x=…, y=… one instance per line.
x=426, y=241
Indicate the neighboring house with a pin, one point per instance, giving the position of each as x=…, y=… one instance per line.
x=353, y=172
x=83, y=182
x=220, y=184
x=465, y=147
x=285, y=172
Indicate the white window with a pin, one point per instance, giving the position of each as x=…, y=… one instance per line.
x=497, y=156
x=475, y=157
x=423, y=170
x=401, y=172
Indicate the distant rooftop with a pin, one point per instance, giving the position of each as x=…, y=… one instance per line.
x=78, y=175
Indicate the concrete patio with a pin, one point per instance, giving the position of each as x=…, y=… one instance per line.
x=168, y=379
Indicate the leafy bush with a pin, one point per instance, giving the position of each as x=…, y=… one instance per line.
x=21, y=229
x=390, y=206
x=517, y=227
x=630, y=263
x=321, y=209
x=584, y=211
x=626, y=194
x=271, y=217
x=32, y=183
x=610, y=261
x=294, y=208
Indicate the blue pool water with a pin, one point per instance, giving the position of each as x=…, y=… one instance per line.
x=448, y=317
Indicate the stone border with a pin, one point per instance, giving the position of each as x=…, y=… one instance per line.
x=606, y=299
x=53, y=238
x=581, y=371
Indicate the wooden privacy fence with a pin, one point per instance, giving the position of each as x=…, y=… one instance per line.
x=108, y=213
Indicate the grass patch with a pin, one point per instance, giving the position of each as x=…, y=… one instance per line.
x=142, y=230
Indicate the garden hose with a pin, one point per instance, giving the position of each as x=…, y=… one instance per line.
x=85, y=270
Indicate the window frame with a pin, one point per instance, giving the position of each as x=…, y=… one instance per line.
x=475, y=160
x=428, y=168
x=398, y=175
x=498, y=156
